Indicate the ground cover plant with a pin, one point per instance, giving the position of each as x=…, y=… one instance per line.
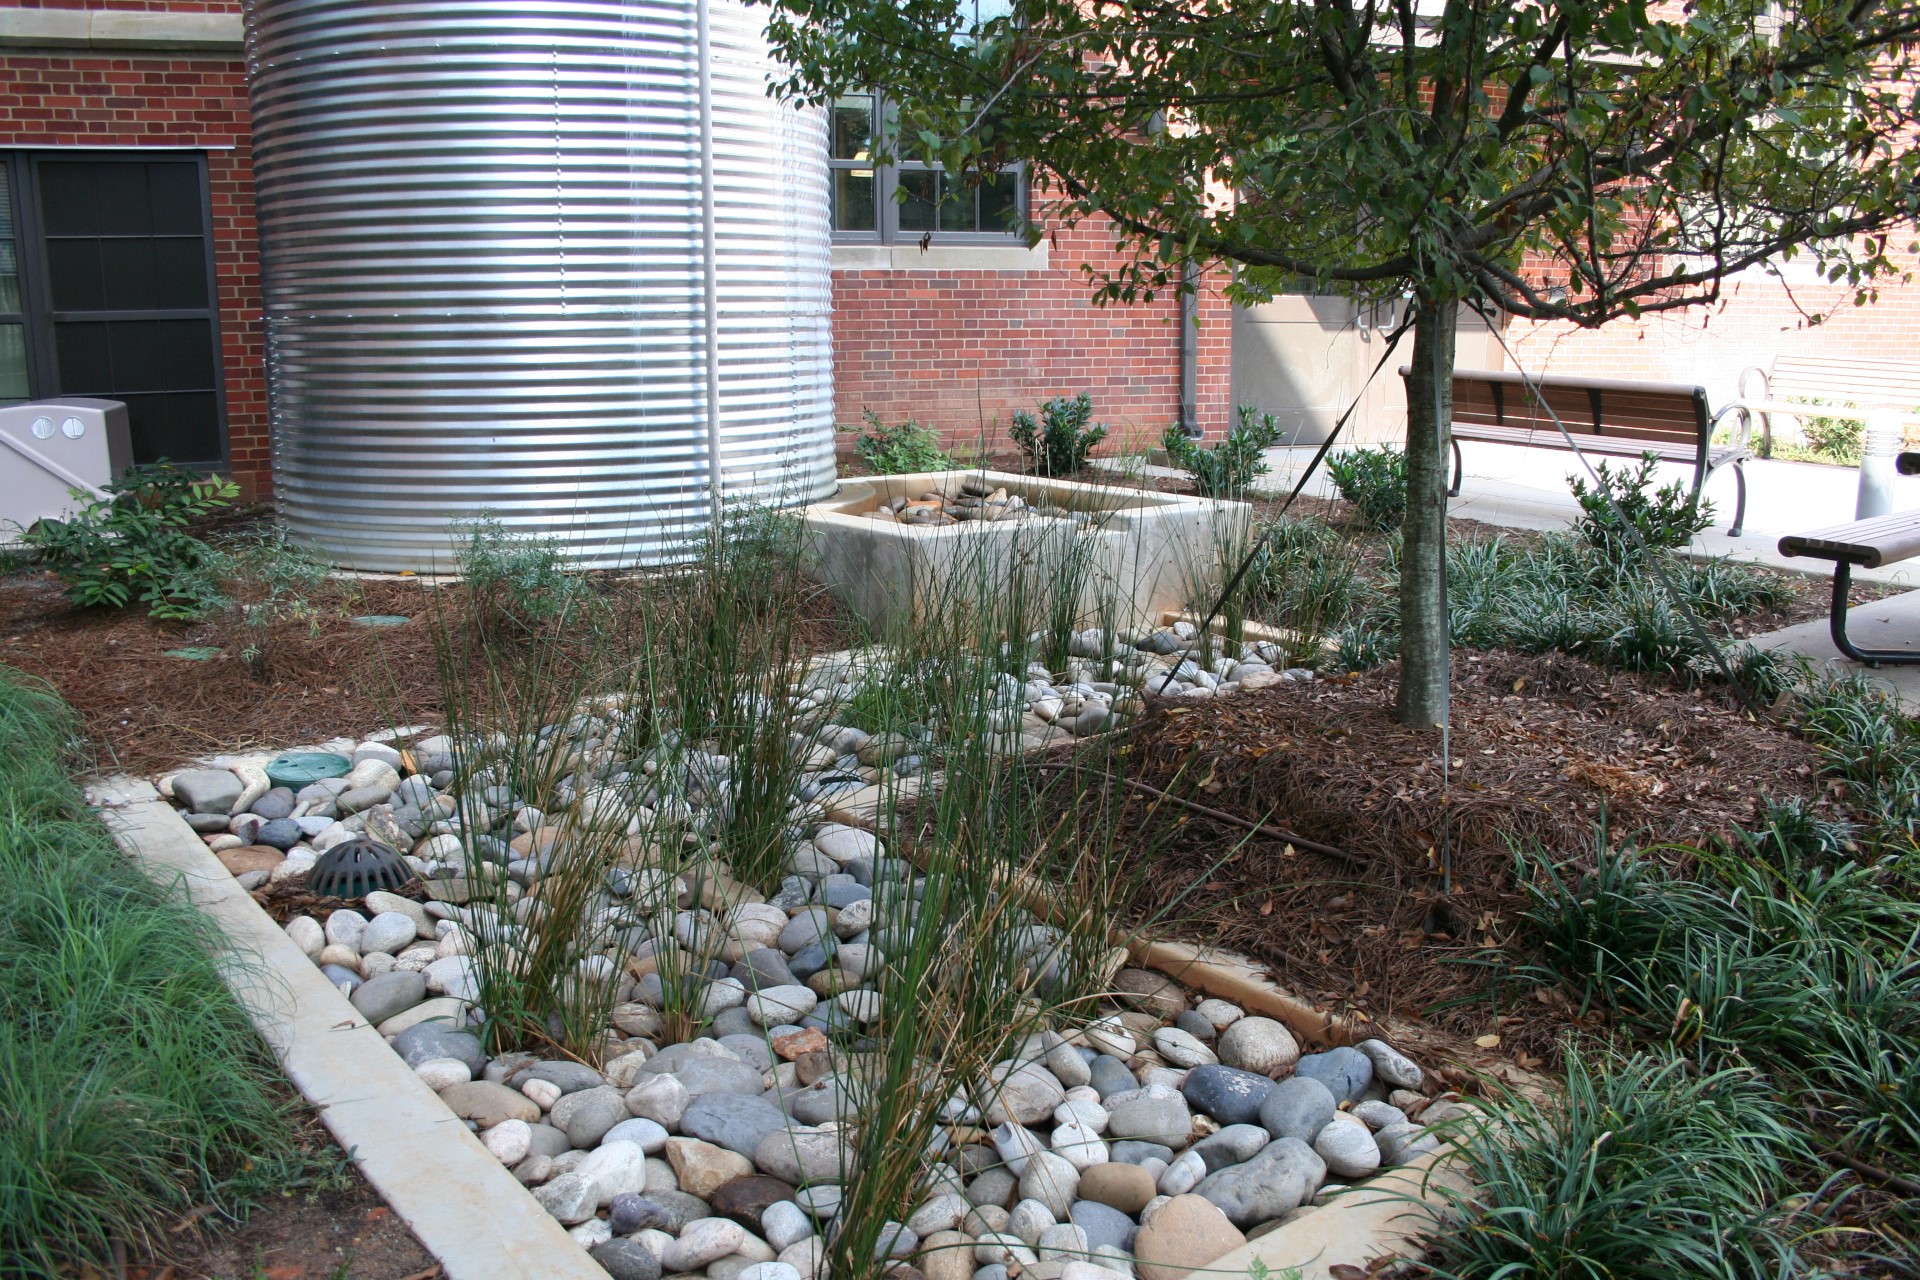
x=1639, y=1168
x=137, y=545
x=133, y=1090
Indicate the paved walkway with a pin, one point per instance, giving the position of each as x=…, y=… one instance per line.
x=1520, y=488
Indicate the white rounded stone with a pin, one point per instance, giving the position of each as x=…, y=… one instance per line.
x=781, y=1006
x=390, y=931
x=542, y=1093
x=307, y=934
x=345, y=928
x=785, y=1224
x=510, y=1141
x=443, y=1073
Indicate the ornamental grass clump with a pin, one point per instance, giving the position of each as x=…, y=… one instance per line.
x=133, y=1090
x=1791, y=953
x=1023, y=881
x=576, y=745
x=1635, y=1168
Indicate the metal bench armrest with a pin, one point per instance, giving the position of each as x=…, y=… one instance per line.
x=1745, y=430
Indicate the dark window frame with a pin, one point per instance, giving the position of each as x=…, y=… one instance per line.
x=23, y=167
x=886, y=186
x=16, y=317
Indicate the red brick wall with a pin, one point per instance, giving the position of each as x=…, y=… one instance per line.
x=131, y=100
x=1758, y=318
x=963, y=350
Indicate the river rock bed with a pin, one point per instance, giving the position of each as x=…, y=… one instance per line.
x=1149, y=1141
x=1152, y=1134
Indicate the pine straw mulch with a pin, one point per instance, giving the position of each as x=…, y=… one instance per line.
x=143, y=711
x=1545, y=749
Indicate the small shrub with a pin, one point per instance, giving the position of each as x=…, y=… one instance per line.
x=1665, y=518
x=901, y=450
x=515, y=580
x=1834, y=437
x=135, y=545
x=1057, y=443
x=1229, y=468
x=1374, y=480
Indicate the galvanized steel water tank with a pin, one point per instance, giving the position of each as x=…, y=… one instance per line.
x=561, y=260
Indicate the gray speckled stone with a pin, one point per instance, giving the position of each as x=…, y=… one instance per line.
x=1280, y=1178
x=1299, y=1107
x=1346, y=1072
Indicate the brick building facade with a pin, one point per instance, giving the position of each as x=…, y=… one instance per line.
x=956, y=336
x=963, y=348
x=1759, y=317
x=101, y=74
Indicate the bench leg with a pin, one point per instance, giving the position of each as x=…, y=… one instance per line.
x=1837, y=628
x=1739, y=502
x=1453, y=443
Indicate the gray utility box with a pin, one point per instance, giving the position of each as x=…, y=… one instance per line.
x=49, y=448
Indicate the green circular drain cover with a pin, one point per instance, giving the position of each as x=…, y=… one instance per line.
x=297, y=769
x=195, y=653
x=381, y=620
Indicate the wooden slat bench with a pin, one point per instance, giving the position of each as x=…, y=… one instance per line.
x=1869, y=543
x=1866, y=385
x=1606, y=416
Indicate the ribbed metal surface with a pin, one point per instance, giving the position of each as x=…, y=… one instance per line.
x=481, y=237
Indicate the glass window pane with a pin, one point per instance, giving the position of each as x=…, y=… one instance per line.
x=73, y=273
x=853, y=128
x=175, y=190
x=67, y=202
x=1000, y=201
x=124, y=207
x=920, y=191
x=957, y=206
x=9, y=250
x=853, y=205
x=13, y=362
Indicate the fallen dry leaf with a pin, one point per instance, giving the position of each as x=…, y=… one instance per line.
x=1487, y=1042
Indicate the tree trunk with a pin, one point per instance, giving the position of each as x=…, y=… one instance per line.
x=1424, y=662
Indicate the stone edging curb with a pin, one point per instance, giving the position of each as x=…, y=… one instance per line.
x=1389, y=1216
x=465, y=1207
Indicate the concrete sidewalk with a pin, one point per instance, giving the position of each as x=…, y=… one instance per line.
x=1520, y=488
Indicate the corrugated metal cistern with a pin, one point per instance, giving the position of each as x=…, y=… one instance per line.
x=561, y=260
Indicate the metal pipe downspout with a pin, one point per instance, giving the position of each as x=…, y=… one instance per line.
x=709, y=242
x=1189, y=349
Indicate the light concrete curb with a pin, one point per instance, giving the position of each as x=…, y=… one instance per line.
x=465, y=1207
x=1389, y=1216
x=130, y=30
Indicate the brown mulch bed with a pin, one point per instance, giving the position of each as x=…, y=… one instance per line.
x=1545, y=749
x=143, y=710
x=346, y=1234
